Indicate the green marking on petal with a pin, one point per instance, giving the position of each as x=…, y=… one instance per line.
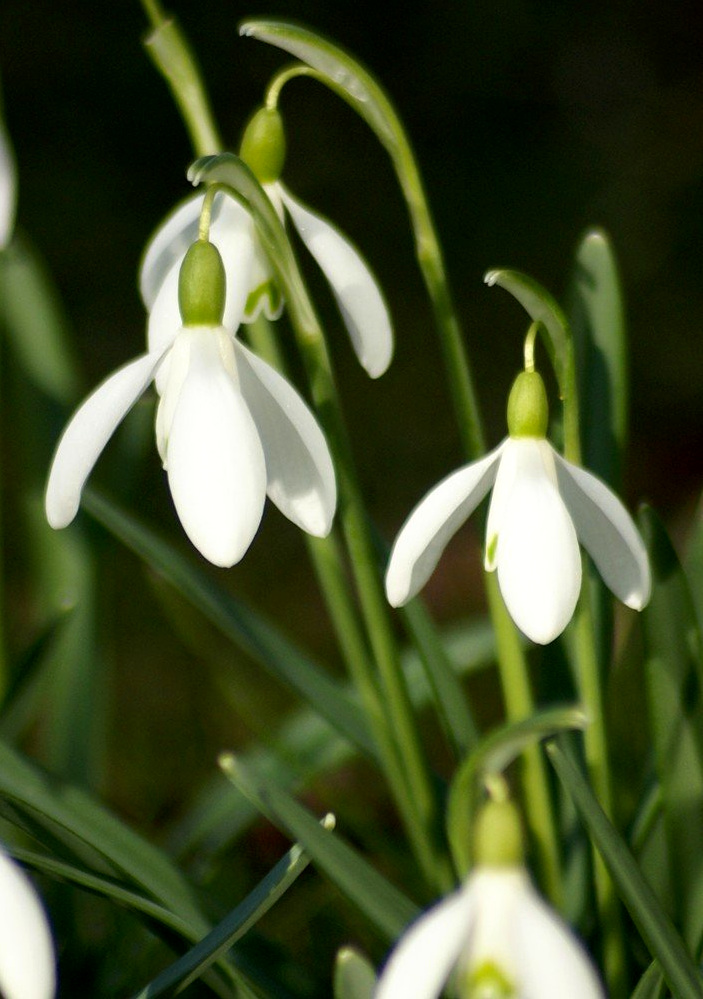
x=487, y=981
x=266, y=296
x=491, y=549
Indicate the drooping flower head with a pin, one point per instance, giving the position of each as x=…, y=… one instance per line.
x=541, y=507
x=494, y=938
x=27, y=962
x=252, y=288
x=229, y=428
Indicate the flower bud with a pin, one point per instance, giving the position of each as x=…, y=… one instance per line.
x=498, y=835
x=528, y=409
x=263, y=147
x=202, y=286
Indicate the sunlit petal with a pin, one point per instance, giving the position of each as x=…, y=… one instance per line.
x=27, y=965
x=538, y=558
x=301, y=480
x=88, y=432
x=216, y=467
x=422, y=961
x=607, y=532
x=552, y=962
x=8, y=189
x=502, y=488
x=359, y=298
x=168, y=246
x=432, y=523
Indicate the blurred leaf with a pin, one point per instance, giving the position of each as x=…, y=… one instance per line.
x=35, y=322
x=651, y=985
x=693, y=562
x=196, y=961
x=674, y=669
x=491, y=757
x=542, y=307
x=354, y=975
x=386, y=907
x=596, y=314
x=654, y=925
x=245, y=628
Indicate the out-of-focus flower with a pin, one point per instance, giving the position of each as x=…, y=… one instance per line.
x=8, y=186
x=251, y=284
x=229, y=430
x=27, y=962
x=541, y=507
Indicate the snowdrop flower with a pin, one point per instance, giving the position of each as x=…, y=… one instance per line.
x=495, y=934
x=27, y=964
x=251, y=285
x=541, y=507
x=8, y=188
x=229, y=429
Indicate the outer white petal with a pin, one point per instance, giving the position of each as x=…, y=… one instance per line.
x=27, y=965
x=216, y=467
x=537, y=554
x=8, y=189
x=552, y=963
x=359, y=298
x=169, y=244
x=422, y=961
x=299, y=470
x=87, y=433
x=607, y=532
x=432, y=523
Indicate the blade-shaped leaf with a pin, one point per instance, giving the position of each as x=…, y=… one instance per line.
x=247, y=629
x=674, y=672
x=651, y=985
x=491, y=757
x=386, y=907
x=654, y=925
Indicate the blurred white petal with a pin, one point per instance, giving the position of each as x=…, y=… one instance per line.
x=357, y=293
x=537, y=553
x=8, y=189
x=216, y=465
x=422, y=960
x=88, y=432
x=607, y=532
x=432, y=523
x=552, y=962
x=27, y=964
x=301, y=480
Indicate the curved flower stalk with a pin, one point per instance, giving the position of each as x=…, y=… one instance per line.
x=494, y=937
x=229, y=429
x=8, y=187
x=252, y=288
x=541, y=507
x=27, y=963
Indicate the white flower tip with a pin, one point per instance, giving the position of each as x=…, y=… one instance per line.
x=397, y=589
x=490, y=278
x=27, y=963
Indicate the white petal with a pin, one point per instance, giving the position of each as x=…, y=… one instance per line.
x=537, y=553
x=423, y=959
x=551, y=962
x=216, y=467
x=8, y=189
x=607, y=532
x=301, y=480
x=27, y=965
x=359, y=298
x=87, y=433
x=432, y=523
x=168, y=245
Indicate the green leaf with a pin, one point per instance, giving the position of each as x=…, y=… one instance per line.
x=490, y=758
x=674, y=673
x=218, y=941
x=354, y=975
x=651, y=985
x=35, y=322
x=654, y=925
x=597, y=316
x=543, y=308
x=245, y=628
x=386, y=907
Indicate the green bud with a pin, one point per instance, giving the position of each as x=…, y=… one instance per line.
x=528, y=409
x=202, y=286
x=263, y=147
x=498, y=835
